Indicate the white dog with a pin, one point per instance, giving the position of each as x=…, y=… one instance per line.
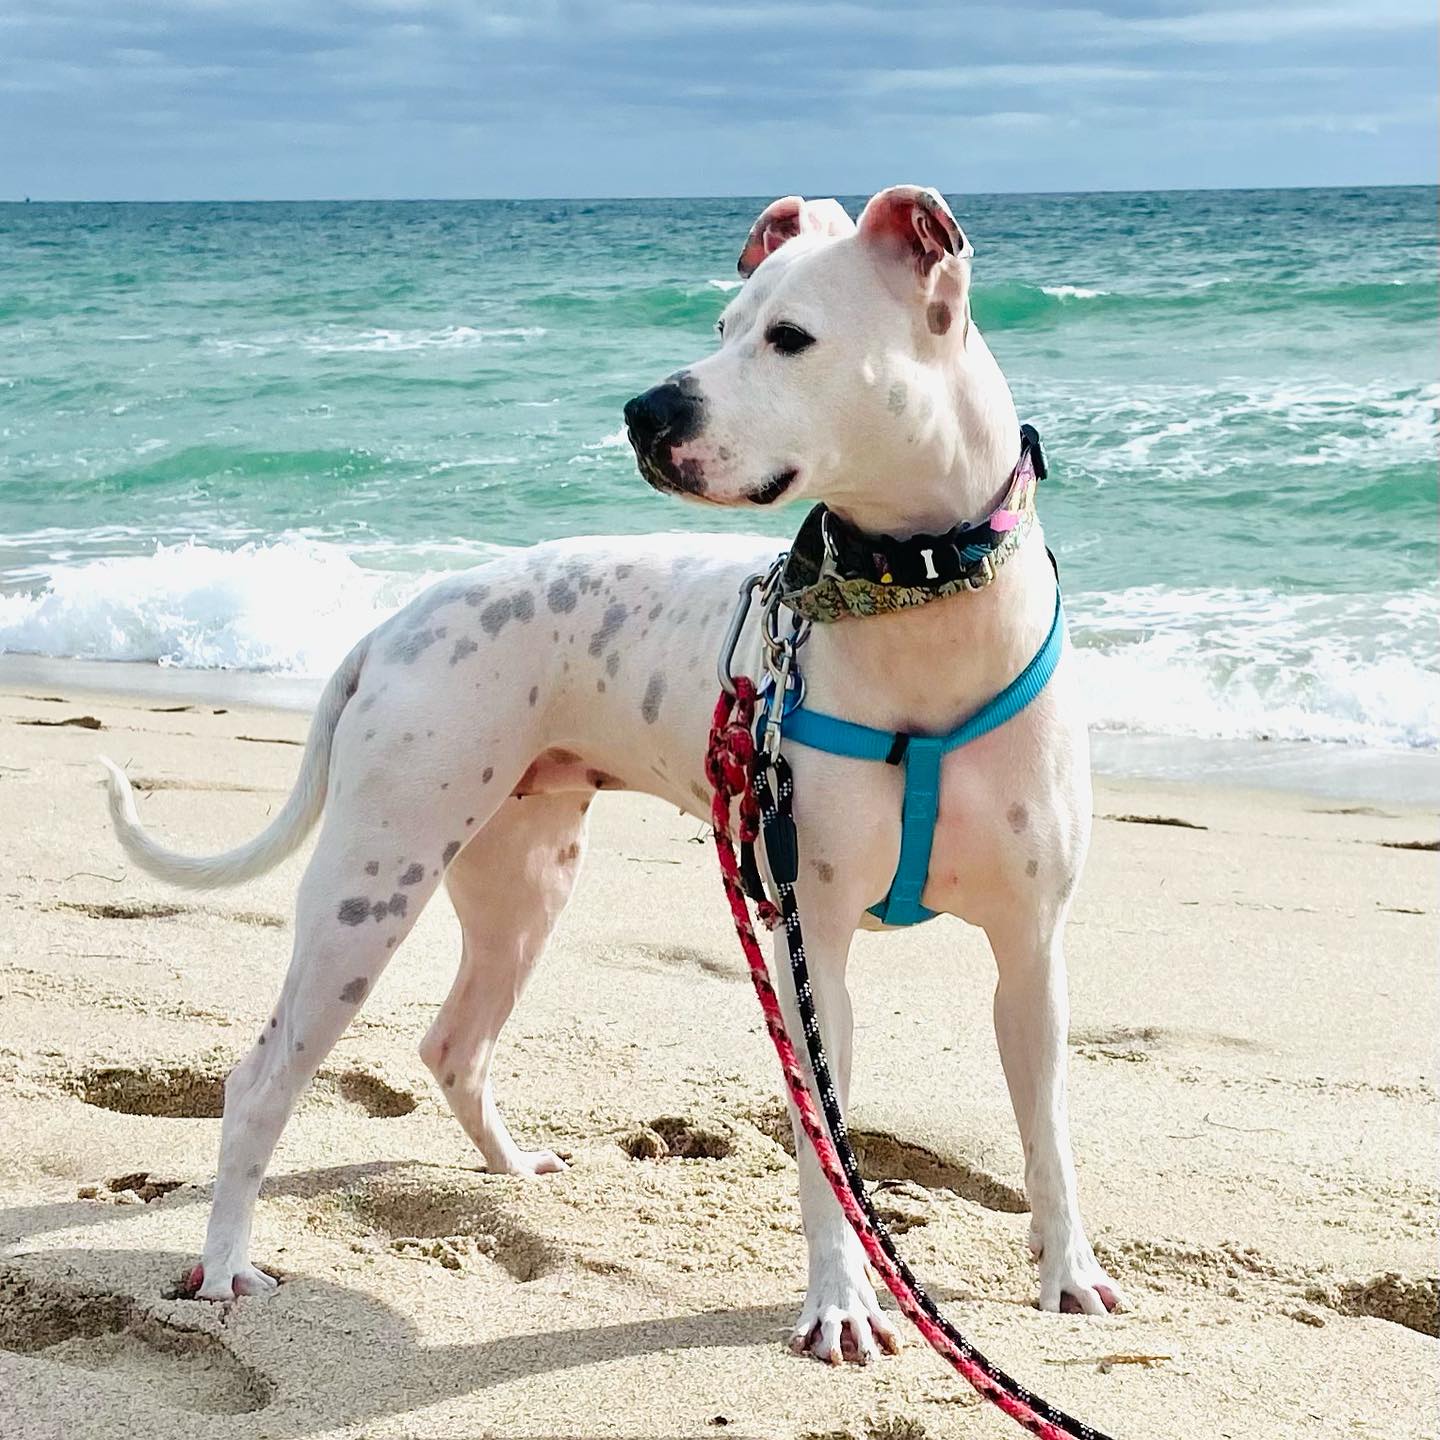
x=464, y=739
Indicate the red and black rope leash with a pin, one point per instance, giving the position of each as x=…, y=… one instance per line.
x=730, y=765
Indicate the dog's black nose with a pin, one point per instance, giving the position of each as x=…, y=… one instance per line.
x=669, y=412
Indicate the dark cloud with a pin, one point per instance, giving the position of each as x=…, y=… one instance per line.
x=487, y=97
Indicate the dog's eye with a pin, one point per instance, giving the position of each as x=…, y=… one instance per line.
x=789, y=339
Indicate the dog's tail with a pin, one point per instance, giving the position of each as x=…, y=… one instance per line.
x=294, y=822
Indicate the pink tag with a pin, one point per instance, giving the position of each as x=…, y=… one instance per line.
x=1003, y=520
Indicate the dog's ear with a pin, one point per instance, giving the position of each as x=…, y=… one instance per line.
x=913, y=224
x=784, y=219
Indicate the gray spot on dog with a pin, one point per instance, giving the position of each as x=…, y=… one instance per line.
x=600, y=687
x=253, y=1173
x=610, y=623
x=895, y=400
x=450, y=852
x=654, y=695
x=1018, y=816
x=372, y=867
x=409, y=648
x=355, y=991
x=495, y=614
x=656, y=610
x=487, y=774
x=534, y=695
x=476, y=595
x=353, y=912
x=378, y=911
x=449, y=1079
x=399, y=904
x=413, y=875
x=561, y=597
x=463, y=646
x=1032, y=868
x=622, y=572
x=524, y=607
x=612, y=663
x=366, y=703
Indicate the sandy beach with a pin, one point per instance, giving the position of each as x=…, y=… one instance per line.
x=1254, y=1021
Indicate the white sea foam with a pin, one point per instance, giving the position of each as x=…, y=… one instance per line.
x=726, y=285
x=1358, y=669
x=339, y=341
x=291, y=605
x=1229, y=663
x=1072, y=292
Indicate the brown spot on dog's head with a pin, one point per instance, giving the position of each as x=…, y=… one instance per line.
x=937, y=317
x=825, y=870
x=1032, y=868
x=1018, y=816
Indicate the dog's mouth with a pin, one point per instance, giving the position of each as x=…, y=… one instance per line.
x=774, y=487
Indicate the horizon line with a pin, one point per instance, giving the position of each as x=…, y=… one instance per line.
x=736, y=195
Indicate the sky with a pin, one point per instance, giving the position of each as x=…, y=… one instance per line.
x=293, y=99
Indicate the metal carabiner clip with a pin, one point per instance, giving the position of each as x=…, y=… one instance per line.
x=737, y=625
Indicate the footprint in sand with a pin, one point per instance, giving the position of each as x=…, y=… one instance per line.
x=113, y=1336
x=454, y=1220
x=672, y=1137
x=885, y=1158
x=197, y=1092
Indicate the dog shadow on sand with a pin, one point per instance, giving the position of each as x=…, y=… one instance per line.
x=115, y=1313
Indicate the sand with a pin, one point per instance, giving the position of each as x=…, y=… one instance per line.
x=1254, y=1021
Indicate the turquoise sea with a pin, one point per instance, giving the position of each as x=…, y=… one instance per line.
x=237, y=435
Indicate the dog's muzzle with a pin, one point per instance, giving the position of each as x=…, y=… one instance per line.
x=657, y=423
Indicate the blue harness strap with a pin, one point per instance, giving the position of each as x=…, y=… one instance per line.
x=921, y=756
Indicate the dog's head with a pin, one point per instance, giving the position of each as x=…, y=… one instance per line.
x=847, y=365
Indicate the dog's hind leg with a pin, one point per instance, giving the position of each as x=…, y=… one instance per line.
x=365, y=886
x=508, y=886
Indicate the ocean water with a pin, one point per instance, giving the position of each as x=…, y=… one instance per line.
x=237, y=436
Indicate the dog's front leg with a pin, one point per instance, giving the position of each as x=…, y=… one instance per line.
x=841, y=1318
x=1032, y=1022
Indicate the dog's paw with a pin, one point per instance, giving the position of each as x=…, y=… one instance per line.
x=843, y=1322
x=529, y=1162
x=1073, y=1282
x=219, y=1281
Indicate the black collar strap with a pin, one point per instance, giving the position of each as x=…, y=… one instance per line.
x=835, y=571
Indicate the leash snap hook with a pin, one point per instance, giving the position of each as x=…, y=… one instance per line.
x=728, y=646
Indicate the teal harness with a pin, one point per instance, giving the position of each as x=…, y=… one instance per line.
x=921, y=756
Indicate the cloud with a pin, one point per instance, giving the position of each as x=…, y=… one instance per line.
x=457, y=97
